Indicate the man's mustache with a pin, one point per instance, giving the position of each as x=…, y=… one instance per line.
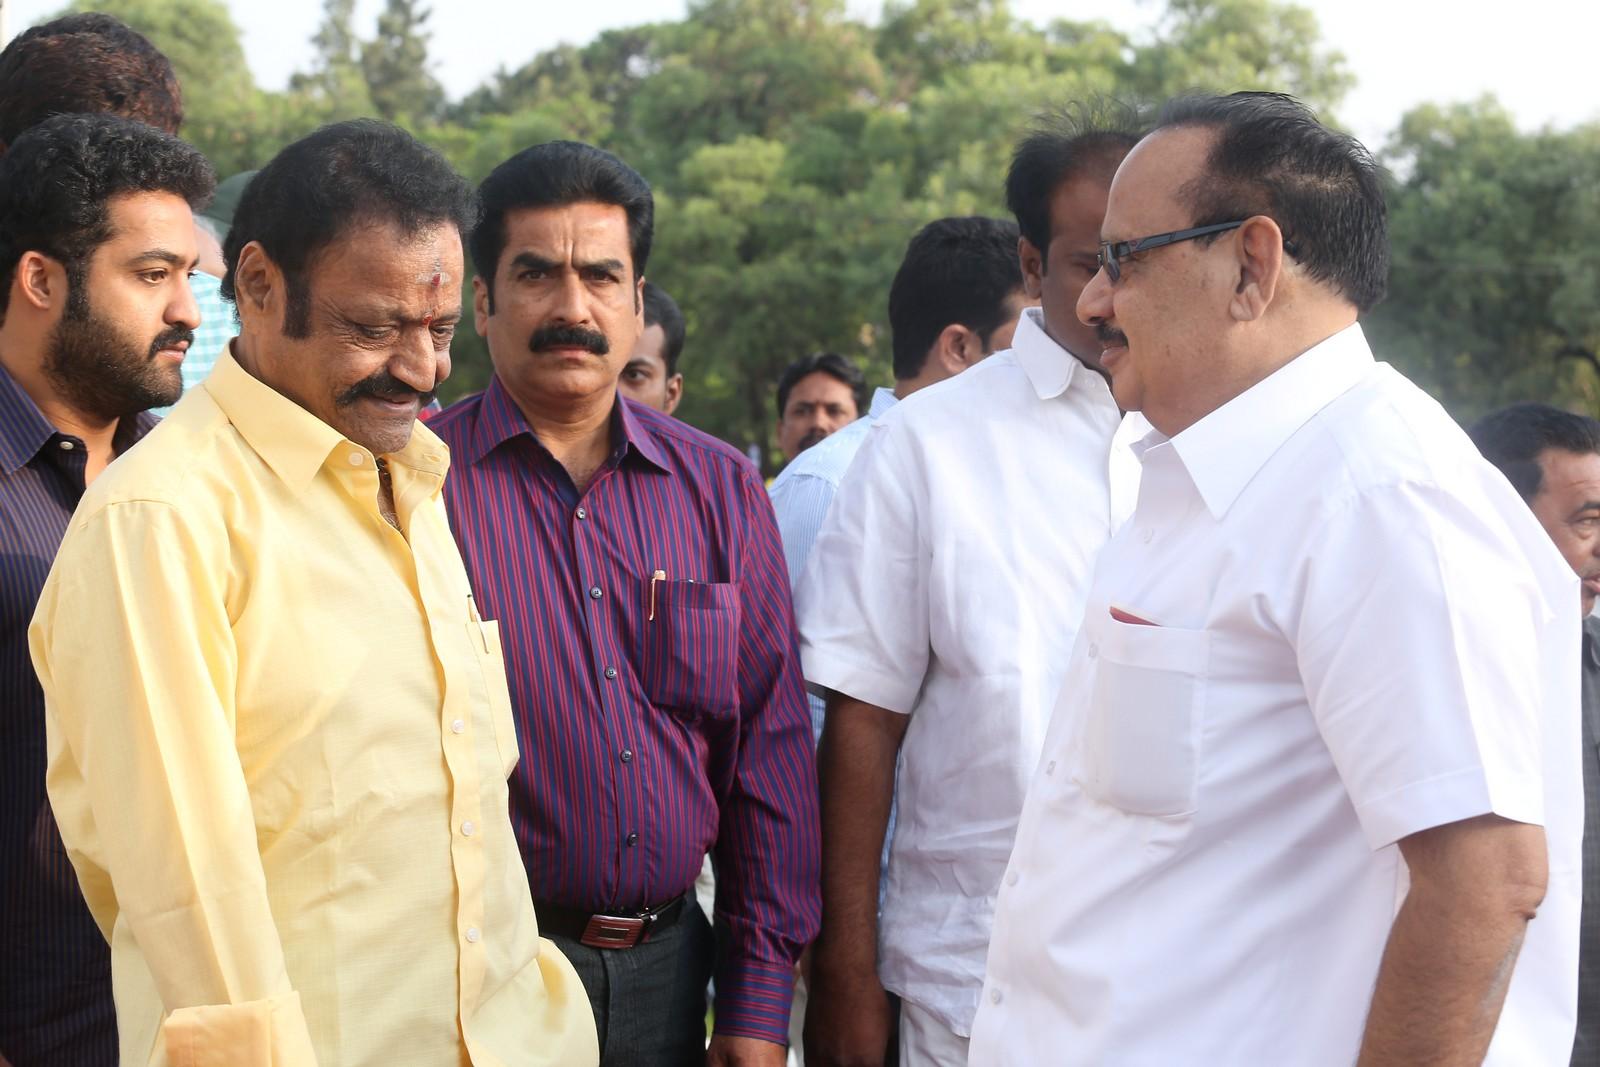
x=171, y=339
x=1110, y=336
x=383, y=386
x=548, y=337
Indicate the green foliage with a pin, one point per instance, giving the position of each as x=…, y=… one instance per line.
x=1495, y=236
x=794, y=149
x=395, y=63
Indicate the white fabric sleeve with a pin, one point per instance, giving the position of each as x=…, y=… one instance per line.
x=1418, y=645
x=862, y=601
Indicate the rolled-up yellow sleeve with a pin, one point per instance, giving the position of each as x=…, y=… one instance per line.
x=133, y=645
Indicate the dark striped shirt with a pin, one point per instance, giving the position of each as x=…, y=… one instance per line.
x=55, y=967
x=658, y=719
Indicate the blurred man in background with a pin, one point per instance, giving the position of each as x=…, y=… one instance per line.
x=817, y=395
x=651, y=374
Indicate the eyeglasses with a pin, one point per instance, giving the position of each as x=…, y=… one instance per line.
x=1112, y=253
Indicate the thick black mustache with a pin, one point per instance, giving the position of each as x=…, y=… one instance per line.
x=384, y=386
x=171, y=339
x=1110, y=336
x=547, y=337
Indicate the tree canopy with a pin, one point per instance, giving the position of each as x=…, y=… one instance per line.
x=794, y=148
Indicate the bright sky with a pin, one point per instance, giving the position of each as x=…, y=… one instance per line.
x=1535, y=55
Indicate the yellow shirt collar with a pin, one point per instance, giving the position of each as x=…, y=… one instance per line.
x=294, y=442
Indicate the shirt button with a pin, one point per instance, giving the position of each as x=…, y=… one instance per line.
x=1149, y=535
x=1050, y=768
x=611, y=672
x=633, y=839
x=468, y=829
x=595, y=593
x=458, y=726
x=995, y=997
x=67, y=446
x=1011, y=878
x=474, y=935
x=582, y=514
x=627, y=755
x=1094, y=650
x=355, y=459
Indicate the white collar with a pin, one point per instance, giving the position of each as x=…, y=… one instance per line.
x=1049, y=367
x=1224, y=450
x=882, y=400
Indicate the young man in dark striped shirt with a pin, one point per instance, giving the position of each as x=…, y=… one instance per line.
x=635, y=568
x=96, y=244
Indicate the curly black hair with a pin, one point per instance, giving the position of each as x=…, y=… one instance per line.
x=58, y=178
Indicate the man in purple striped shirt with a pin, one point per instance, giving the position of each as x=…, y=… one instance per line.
x=635, y=568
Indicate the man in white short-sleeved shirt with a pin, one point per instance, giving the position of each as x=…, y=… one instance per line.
x=1312, y=768
x=938, y=606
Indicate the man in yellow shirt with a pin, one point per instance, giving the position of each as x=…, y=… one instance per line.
x=278, y=728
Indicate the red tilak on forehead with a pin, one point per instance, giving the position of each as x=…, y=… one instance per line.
x=438, y=279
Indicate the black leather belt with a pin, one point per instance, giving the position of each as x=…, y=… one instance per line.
x=608, y=931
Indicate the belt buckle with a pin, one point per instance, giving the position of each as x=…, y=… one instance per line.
x=614, y=931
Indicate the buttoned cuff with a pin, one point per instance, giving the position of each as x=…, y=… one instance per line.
x=258, y=1033
x=753, y=998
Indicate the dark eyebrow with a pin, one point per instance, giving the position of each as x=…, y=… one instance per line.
x=528, y=259
x=610, y=266
x=160, y=255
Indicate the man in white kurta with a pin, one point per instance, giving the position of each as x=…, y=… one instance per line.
x=938, y=606
x=1322, y=700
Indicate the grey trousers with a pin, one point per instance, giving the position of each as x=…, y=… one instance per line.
x=649, y=1001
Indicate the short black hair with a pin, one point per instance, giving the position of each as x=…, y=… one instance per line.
x=958, y=270
x=830, y=363
x=555, y=174
x=1514, y=438
x=1087, y=138
x=342, y=176
x=57, y=180
x=1323, y=188
x=89, y=64
x=661, y=310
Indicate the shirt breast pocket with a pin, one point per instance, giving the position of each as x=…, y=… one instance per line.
x=690, y=650
x=1140, y=750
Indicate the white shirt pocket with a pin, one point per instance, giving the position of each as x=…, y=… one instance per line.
x=1139, y=749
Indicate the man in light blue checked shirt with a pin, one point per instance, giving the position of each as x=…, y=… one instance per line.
x=955, y=299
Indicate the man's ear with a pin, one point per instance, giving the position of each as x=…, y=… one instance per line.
x=480, y=305
x=956, y=348
x=1259, y=261
x=1032, y=261
x=41, y=282
x=258, y=284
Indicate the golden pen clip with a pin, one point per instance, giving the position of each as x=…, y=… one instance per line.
x=658, y=576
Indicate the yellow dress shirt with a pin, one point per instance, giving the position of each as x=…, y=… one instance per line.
x=279, y=736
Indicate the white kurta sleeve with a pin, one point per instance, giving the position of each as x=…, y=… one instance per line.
x=862, y=600
x=1418, y=643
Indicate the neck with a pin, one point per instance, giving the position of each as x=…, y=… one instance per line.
x=576, y=432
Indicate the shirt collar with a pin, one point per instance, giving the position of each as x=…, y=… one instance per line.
x=499, y=419
x=24, y=430
x=291, y=440
x=1049, y=367
x=882, y=400
x=1224, y=450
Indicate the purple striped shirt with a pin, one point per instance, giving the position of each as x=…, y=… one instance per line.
x=659, y=718
x=55, y=967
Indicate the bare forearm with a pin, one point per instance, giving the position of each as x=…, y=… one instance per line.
x=1453, y=947
x=855, y=766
